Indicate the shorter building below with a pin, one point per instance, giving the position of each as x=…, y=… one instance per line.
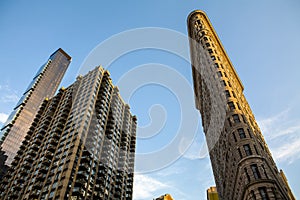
x=165, y=197
x=212, y=193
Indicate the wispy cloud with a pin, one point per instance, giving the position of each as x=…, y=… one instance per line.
x=8, y=95
x=3, y=117
x=198, y=148
x=145, y=187
x=9, y=98
x=283, y=136
x=288, y=151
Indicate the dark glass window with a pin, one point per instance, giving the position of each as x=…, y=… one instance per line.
x=253, y=195
x=227, y=93
x=247, y=149
x=231, y=105
x=219, y=74
x=216, y=65
x=207, y=44
x=255, y=171
x=242, y=133
x=263, y=193
x=236, y=118
x=224, y=82
x=233, y=94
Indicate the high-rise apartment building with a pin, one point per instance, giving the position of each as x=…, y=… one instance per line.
x=44, y=84
x=81, y=145
x=242, y=164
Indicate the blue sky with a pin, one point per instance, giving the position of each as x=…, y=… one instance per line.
x=260, y=37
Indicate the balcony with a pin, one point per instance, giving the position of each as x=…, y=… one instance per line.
x=46, y=162
x=37, y=141
x=26, y=165
x=24, y=173
x=28, y=158
x=27, y=137
x=25, y=142
x=56, y=136
x=49, y=155
x=40, y=177
x=17, y=157
x=35, y=147
x=40, y=136
x=32, y=153
x=53, y=141
x=14, y=163
x=37, y=186
x=33, y=195
x=83, y=167
x=51, y=149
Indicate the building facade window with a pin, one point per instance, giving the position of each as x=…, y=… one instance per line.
x=231, y=105
x=253, y=195
x=242, y=133
x=219, y=74
x=224, y=82
x=255, y=171
x=227, y=93
x=236, y=118
x=247, y=149
x=263, y=193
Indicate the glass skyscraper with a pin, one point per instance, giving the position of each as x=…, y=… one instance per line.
x=44, y=84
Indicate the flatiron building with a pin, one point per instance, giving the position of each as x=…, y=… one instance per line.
x=242, y=164
x=44, y=84
x=81, y=145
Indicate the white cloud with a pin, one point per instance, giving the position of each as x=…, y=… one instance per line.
x=145, y=187
x=9, y=98
x=8, y=94
x=288, y=151
x=3, y=117
x=283, y=136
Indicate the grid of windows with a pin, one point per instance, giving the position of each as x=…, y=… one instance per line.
x=239, y=118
